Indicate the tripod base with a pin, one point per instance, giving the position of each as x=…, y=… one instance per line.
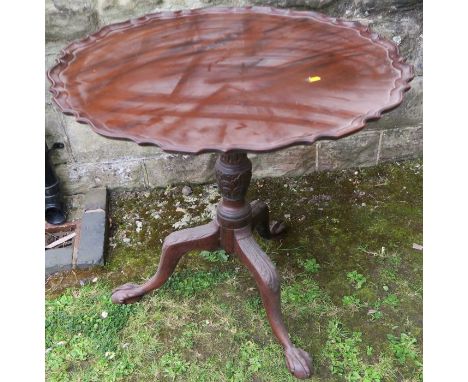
x=231, y=231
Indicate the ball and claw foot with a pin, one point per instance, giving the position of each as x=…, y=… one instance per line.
x=127, y=294
x=298, y=362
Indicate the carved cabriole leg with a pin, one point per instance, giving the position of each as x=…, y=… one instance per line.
x=205, y=237
x=261, y=221
x=260, y=266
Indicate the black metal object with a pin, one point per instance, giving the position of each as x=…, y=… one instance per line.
x=54, y=213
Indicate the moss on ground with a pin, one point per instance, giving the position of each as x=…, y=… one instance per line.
x=351, y=288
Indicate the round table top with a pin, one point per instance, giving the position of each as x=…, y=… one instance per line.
x=229, y=79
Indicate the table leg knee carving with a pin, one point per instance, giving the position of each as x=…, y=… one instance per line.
x=205, y=237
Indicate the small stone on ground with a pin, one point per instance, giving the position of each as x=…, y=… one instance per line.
x=186, y=190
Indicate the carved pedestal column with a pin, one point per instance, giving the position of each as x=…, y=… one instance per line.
x=233, y=173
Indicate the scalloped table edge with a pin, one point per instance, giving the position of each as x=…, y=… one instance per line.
x=67, y=55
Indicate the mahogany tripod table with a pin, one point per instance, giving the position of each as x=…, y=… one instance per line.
x=233, y=81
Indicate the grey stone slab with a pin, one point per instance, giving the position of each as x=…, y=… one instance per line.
x=74, y=206
x=70, y=19
x=409, y=113
x=93, y=237
x=388, y=5
x=402, y=143
x=111, y=11
x=81, y=177
x=406, y=30
x=81, y=143
x=358, y=150
x=55, y=133
x=58, y=259
x=178, y=168
x=54, y=120
x=175, y=5
x=96, y=199
x=88, y=146
x=52, y=51
x=310, y=4
x=293, y=161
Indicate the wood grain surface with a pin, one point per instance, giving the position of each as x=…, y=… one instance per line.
x=222, y=79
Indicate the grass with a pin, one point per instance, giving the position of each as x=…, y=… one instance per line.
x=351, y=289
x=311, y=265
x=343, y=350
x=352, y=301
x=187, y=283
x=81, y=326
x=215, y=256
x=356, y=279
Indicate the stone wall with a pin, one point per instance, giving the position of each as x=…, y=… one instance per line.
x=89, y=160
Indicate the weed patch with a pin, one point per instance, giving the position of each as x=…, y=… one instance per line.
x=173, y=365
x=352, y=301
x=188, y=283
x=403, y=347
x=344, y=355
x=215, y=256
x=356, y=279
x=311, y=266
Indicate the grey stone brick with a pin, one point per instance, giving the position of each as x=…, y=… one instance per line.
x=68, y=20
x=58, y=259
x=388, y=5
x=96, y=199
x=55, y=133
x=310, y=4
x=93, y=236
x=111, y=11
x=178, y=168
x=358, y=150
x=81, y=177
x=54, y=125
x=401, y=143
x=408, y=113
x=293, y=161
x=88, y=146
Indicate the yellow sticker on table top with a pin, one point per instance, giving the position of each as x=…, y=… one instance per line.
x=313, y=79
